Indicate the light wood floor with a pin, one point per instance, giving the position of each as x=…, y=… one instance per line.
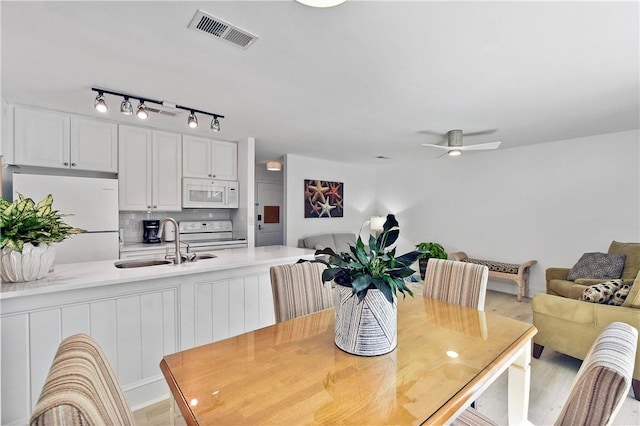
x=551, y=379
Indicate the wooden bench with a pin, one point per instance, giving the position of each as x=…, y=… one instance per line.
x=506, y=271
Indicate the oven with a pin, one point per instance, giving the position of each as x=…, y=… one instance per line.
x=209, y=235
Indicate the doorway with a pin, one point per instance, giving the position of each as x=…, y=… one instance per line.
x=269, y=229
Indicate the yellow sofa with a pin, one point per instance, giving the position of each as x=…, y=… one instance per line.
x=571, y=326
x=558, y=285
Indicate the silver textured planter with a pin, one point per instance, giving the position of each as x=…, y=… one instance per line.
x=33, y=263
x=367, y=328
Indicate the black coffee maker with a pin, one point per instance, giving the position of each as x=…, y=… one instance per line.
x=150, y=231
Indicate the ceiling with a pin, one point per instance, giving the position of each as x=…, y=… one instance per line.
x=348, y=83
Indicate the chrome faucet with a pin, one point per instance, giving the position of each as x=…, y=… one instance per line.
x=178, y=257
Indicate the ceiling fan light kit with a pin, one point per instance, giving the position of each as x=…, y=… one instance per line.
x=455, y=147
x=321, y=3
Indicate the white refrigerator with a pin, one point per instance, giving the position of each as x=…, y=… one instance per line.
x=93, y=204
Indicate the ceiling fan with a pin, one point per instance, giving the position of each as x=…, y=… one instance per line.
x=454, y=143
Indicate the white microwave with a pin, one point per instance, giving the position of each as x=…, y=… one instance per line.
x=209, y=194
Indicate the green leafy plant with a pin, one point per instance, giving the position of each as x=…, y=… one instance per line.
x=23, y=221
x=371, y=266
x=430, y=250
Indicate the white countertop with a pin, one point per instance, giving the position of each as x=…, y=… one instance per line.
x=74, y=276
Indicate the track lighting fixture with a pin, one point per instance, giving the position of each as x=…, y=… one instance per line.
x=100, y=104
x=215, y=124
x=142, y=112
x=125, y=106
x=193, y=120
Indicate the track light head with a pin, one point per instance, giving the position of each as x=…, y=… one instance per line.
x=215, y=124
x=193, y=120
x=100, y=104
x=142, y=112
x=125, y=107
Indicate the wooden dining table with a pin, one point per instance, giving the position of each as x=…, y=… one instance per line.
x=292, y=373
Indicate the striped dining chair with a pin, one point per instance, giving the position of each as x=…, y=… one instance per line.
x=81, y=388
x=298, y=290
x=600, y=387
x=460, y=283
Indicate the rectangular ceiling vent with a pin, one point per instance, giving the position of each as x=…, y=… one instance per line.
x=217, y=28
x=169, y=112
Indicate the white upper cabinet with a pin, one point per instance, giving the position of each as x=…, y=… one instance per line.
x=166, y=171
x=42, y=138
x=196, y=157
x=149, y=172
x=225, y=160
x=134, y=168
x=94, y=144
x=209, y=159
x=59, y=140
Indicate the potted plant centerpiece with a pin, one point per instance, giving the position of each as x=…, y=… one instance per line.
x=367, y=281
x=28, y=233
x=429, y=250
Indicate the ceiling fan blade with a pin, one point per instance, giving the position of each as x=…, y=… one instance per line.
x=490, y=145
x=481, y=132
x=431, y=132
x=437, y=146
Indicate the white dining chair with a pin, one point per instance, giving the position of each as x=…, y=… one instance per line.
x=81, y=388
x=298, y=290
x=460, y=283
x=600, y=387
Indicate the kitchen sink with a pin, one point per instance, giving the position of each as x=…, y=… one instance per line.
x=139, y=263
x=203, y=256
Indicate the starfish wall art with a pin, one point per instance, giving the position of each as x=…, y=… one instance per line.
x=323, y=198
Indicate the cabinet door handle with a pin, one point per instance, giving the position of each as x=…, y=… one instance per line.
x=73, y=164
x=213, y=175
x=66, y=164
x=155, y=207
x=148, y=207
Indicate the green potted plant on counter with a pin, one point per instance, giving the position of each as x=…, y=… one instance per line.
x=367, y=282
x=429, y=250
x=29, y=231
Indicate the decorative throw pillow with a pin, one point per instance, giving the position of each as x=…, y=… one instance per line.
x=601, y=293
x=598, y=265
x=620, y=296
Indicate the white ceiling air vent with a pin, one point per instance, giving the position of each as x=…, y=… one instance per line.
x=217, y=28
x=168, y=111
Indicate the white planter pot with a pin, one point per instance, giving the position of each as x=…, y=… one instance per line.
x=33, y=263
x=365, y=328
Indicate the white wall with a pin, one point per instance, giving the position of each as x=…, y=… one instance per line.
x=359, y=196
x=244, y=216
x=550, y=202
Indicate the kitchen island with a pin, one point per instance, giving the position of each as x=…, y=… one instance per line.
x=137, y=315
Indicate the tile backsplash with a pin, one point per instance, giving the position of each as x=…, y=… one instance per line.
x=131, y=222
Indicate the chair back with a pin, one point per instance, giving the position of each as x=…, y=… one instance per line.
x=298, y=290
x=604, y=378
x=460, y=283
x=81, y=388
